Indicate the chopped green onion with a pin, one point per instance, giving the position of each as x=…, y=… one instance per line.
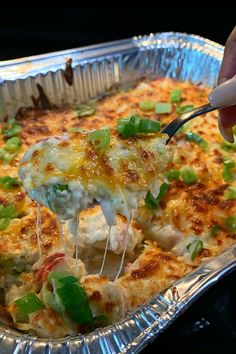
x=146, y=106
x=134, y=125
x=13, y=144
x=231, y=192
x=75, y=300
x=148, y=126
x=231, y=223
x=228, y=147
x=86, y=110
x=151, y=202
x=172, y=174
x=214, y=230
x=188, y=175
x=59, y=188
x=195, y=248
x=227, y=173
x=4, y=222
x=163, y=108
x=191, y=136
x=175, y=96
x=29, y=303
x=184, y=109
x=8, y=211
x=100, y=138
x=8, y=182
x=229, y=163
x=5, y=156
x=11, y=129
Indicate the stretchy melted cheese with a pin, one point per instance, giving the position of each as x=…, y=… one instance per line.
x=69, y=173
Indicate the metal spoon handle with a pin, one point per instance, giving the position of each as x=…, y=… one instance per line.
x=177, y=123
x=221, y=96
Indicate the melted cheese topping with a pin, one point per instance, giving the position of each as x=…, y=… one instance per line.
x=116, y=178
x=186, y=213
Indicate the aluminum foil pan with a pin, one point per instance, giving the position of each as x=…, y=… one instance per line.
x=98, y=70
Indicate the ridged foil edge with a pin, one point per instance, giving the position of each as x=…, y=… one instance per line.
x=196, y=59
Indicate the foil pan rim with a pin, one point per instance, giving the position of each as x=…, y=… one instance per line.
x=136, y=330
x=11, y=70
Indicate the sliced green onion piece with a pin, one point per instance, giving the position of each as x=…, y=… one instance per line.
x=151, y=202
x=29, y=303
x=228, y=147
x=86, y=110
x=175, y=96
x=230, y=192
x=5, y=156
x=75, y=300
x=4, y=222
x=148, y=126
x=227, y=173
x=8, y=182
x=11, y=129
x=146, y=106
x=8, y=211
x=191, y=136
x=163, y=108
x=231, y=223
x=134, y=125
x=59, y=188
x=172, y=174
x=214, y=230
x=13, y=144
x=184, y=109
x=100, y=138
x=195, y=248
x=188, y=175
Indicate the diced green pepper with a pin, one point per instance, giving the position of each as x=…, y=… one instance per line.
x=146, y=106
x=29, y=303
x=75, y=301
x=188, y=175
x=163, y=108
x=175, y=96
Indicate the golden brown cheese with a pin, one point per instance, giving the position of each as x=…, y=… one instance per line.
x=152, y=272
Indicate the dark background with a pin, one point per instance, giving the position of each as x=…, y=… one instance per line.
x=209, y=325
x=27, y=31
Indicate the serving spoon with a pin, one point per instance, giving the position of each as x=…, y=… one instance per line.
x=221, y=96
